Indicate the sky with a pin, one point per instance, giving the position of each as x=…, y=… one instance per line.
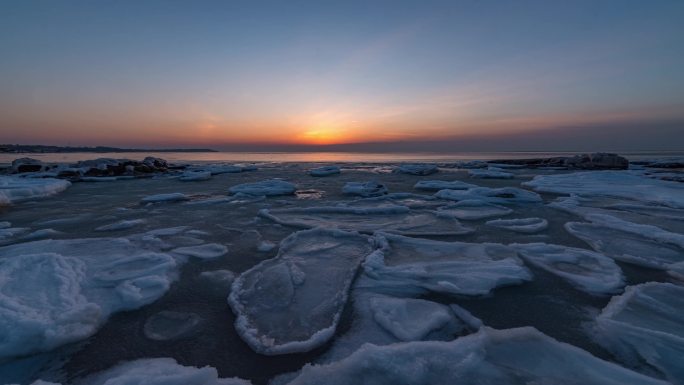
x=372, y=75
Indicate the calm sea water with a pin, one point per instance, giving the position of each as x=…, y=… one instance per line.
x=315, y=156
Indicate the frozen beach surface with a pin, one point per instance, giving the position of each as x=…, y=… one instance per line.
x=293, y=302
x=16, y=189
x=644, y=327
x=271, y=187
x=488, y=357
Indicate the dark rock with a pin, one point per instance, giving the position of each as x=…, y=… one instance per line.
x=595, y=161
x=26, y=165
x=665, y=164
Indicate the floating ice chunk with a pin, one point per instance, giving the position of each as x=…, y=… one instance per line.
x=365, y=189
x=39, y=234
x=169, y=325
x=417, y=169
x=219, y=278
x=409, y=319
x=270, y=187
x=160, y=371
x=7, y=234
x=121, y=225
x=192, y=176
x=170, y=197
x=643, y=245
x=676, y=270
x=589, y=271
x=16, y=189
x=490, y=174
x=50, y=299
x=645, y=327
x=292, y=303
x=5, y=224
x=388, y=218
x=473, y=210
x=618, y=184
x=501, y=195
x=167, y=231
x=324, y=171
x=521, y=225
x=413, y=201
x=206, y=251
x=265, y=246
x=414, y=266
x=436, y=185
x=489, y=357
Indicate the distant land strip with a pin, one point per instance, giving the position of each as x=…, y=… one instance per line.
x=38, y=149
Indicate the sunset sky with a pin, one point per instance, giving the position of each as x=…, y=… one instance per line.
x=287, y=74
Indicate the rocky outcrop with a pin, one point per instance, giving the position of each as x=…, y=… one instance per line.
x=26, y=165
x=101, y=167
x=595, y=161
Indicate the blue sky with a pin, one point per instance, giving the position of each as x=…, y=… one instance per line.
x=172, y=73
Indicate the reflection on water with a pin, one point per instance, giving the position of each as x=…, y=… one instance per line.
x=313, y=156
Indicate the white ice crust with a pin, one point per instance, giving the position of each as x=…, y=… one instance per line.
x=645, y=327
x=17, y=189
x=520, y=356
x=520, y=225
x=293, y=302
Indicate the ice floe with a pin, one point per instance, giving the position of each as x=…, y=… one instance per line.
x=219, y=278
x=587, y=270
x=205, y=251
x=160, y=198
x=324, y=171
x=293, y=302
x=410, y=200
x=644, y=327
x=501, y=195
x=473, y=210
x=618, y=184
x=417, y=169
x=121, y=225
x=364, y=189
x=367, y=219
x=436, y=185
x=520, y=225
x=489, y=357
x=169, y=325
x=59, y=291
x=409, y=319
x=16, y=189
x=160, y=371
x=490, y=174
x=414, y=266
x=643, y=245
x=192, y=176
x=270, y=187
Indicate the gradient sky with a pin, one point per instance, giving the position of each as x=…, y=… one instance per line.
x=270, y=74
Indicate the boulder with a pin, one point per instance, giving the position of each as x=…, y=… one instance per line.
x=26, y=165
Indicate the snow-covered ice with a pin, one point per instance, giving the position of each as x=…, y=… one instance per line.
x=618, y=184
x=170, y=197
x=644, y=327
x=205, y=251
x=417, y=169
x=489, y=357
x=490, y=174
x=587, y=270
x=390, y=218
x=293, y=302
x=520, y=225
x=271, y=187
x=436, y=185
x=325, y=171
x=365, y=189
x=413, y=265
x=473, y=210
x=59, y=291
x=16, y=189
x=193, y=176
x=501, y=195
x=121, y=225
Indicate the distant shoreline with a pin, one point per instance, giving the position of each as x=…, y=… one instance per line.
x=41, y=149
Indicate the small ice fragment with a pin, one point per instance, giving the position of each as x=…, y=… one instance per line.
x=521, y=225
x=168, y=325
x=206, y=251
x=364, y=189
